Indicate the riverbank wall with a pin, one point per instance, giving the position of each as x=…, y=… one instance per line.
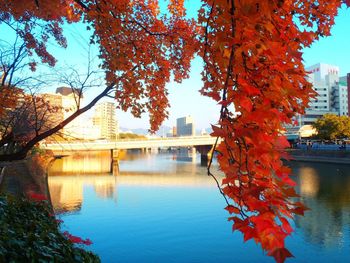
x=322, y=156
x=24, y=177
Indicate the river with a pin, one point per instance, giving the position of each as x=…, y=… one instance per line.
x=164, y=208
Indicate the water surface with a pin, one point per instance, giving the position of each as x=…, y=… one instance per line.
x=164, y=208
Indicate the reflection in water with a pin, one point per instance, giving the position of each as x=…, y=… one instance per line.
x=66, y=191
x=68, y=176
x=186, y=155
x=83, y=163
x=171, y=203
x=325, y=189
x=308, y=181
x=66, y=194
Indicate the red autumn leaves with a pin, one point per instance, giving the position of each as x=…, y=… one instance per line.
x=37, y=197
x=252, y=55
x=77, y=240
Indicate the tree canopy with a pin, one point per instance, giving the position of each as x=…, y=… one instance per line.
x=252, y=54
x=331, y=127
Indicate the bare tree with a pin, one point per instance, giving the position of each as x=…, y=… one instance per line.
x=27, y=117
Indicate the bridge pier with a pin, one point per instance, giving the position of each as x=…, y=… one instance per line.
x=205, y=151
x=115, y=168
x=114, y=154
x=114, y=161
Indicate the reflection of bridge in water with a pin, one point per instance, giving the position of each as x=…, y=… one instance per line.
x=67, y=191
x=85, y=173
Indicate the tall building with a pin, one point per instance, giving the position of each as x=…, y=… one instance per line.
x=185, y=126
x=348, y=84
x=71, y=100
x=321, y=70
x=102, y=125
x=105, y=119
x=339, y=99
x=55, y=114
x=63, y=104
x=332, y=94
x=345, y=81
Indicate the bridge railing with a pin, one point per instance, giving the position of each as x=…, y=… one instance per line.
x=130, y=140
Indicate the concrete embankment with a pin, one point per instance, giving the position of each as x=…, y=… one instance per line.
x=321, y=156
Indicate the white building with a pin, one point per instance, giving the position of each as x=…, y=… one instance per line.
x=71, y=100
x=64, y=103
x=344, y=82
x=321, y=70
x=332, y=96
x=339, y=101
x=106, y=121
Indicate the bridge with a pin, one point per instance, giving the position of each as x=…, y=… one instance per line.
x=203, y=145
x=185, y=141
x=131, y=144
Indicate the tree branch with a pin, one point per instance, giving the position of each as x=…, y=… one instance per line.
x=29, y=145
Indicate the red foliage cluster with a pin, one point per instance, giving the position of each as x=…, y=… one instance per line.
x=252, y=52
x=37, y=197
x=77, y=240
x=140, y=49
x=74, y=239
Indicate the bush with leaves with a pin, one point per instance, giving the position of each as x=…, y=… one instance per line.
x=30, y=233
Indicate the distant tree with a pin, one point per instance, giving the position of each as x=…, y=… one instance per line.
x=125, y=135
x=331, y=127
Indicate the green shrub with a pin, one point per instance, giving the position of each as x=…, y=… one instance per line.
x=29, y=233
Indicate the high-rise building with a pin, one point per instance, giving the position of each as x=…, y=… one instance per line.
x=321, y=70
x=62, y=105
x=185, y=126
x=345, y=81
x=105, y=119
x=339, y=99
x=332, y=94
x=55, y=111
x=348, y=85
x=72, y=99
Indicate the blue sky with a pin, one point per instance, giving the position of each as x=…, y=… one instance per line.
x=185, y=98
x=334, y=50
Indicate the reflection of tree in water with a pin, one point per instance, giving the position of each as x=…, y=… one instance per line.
x=325, y=189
